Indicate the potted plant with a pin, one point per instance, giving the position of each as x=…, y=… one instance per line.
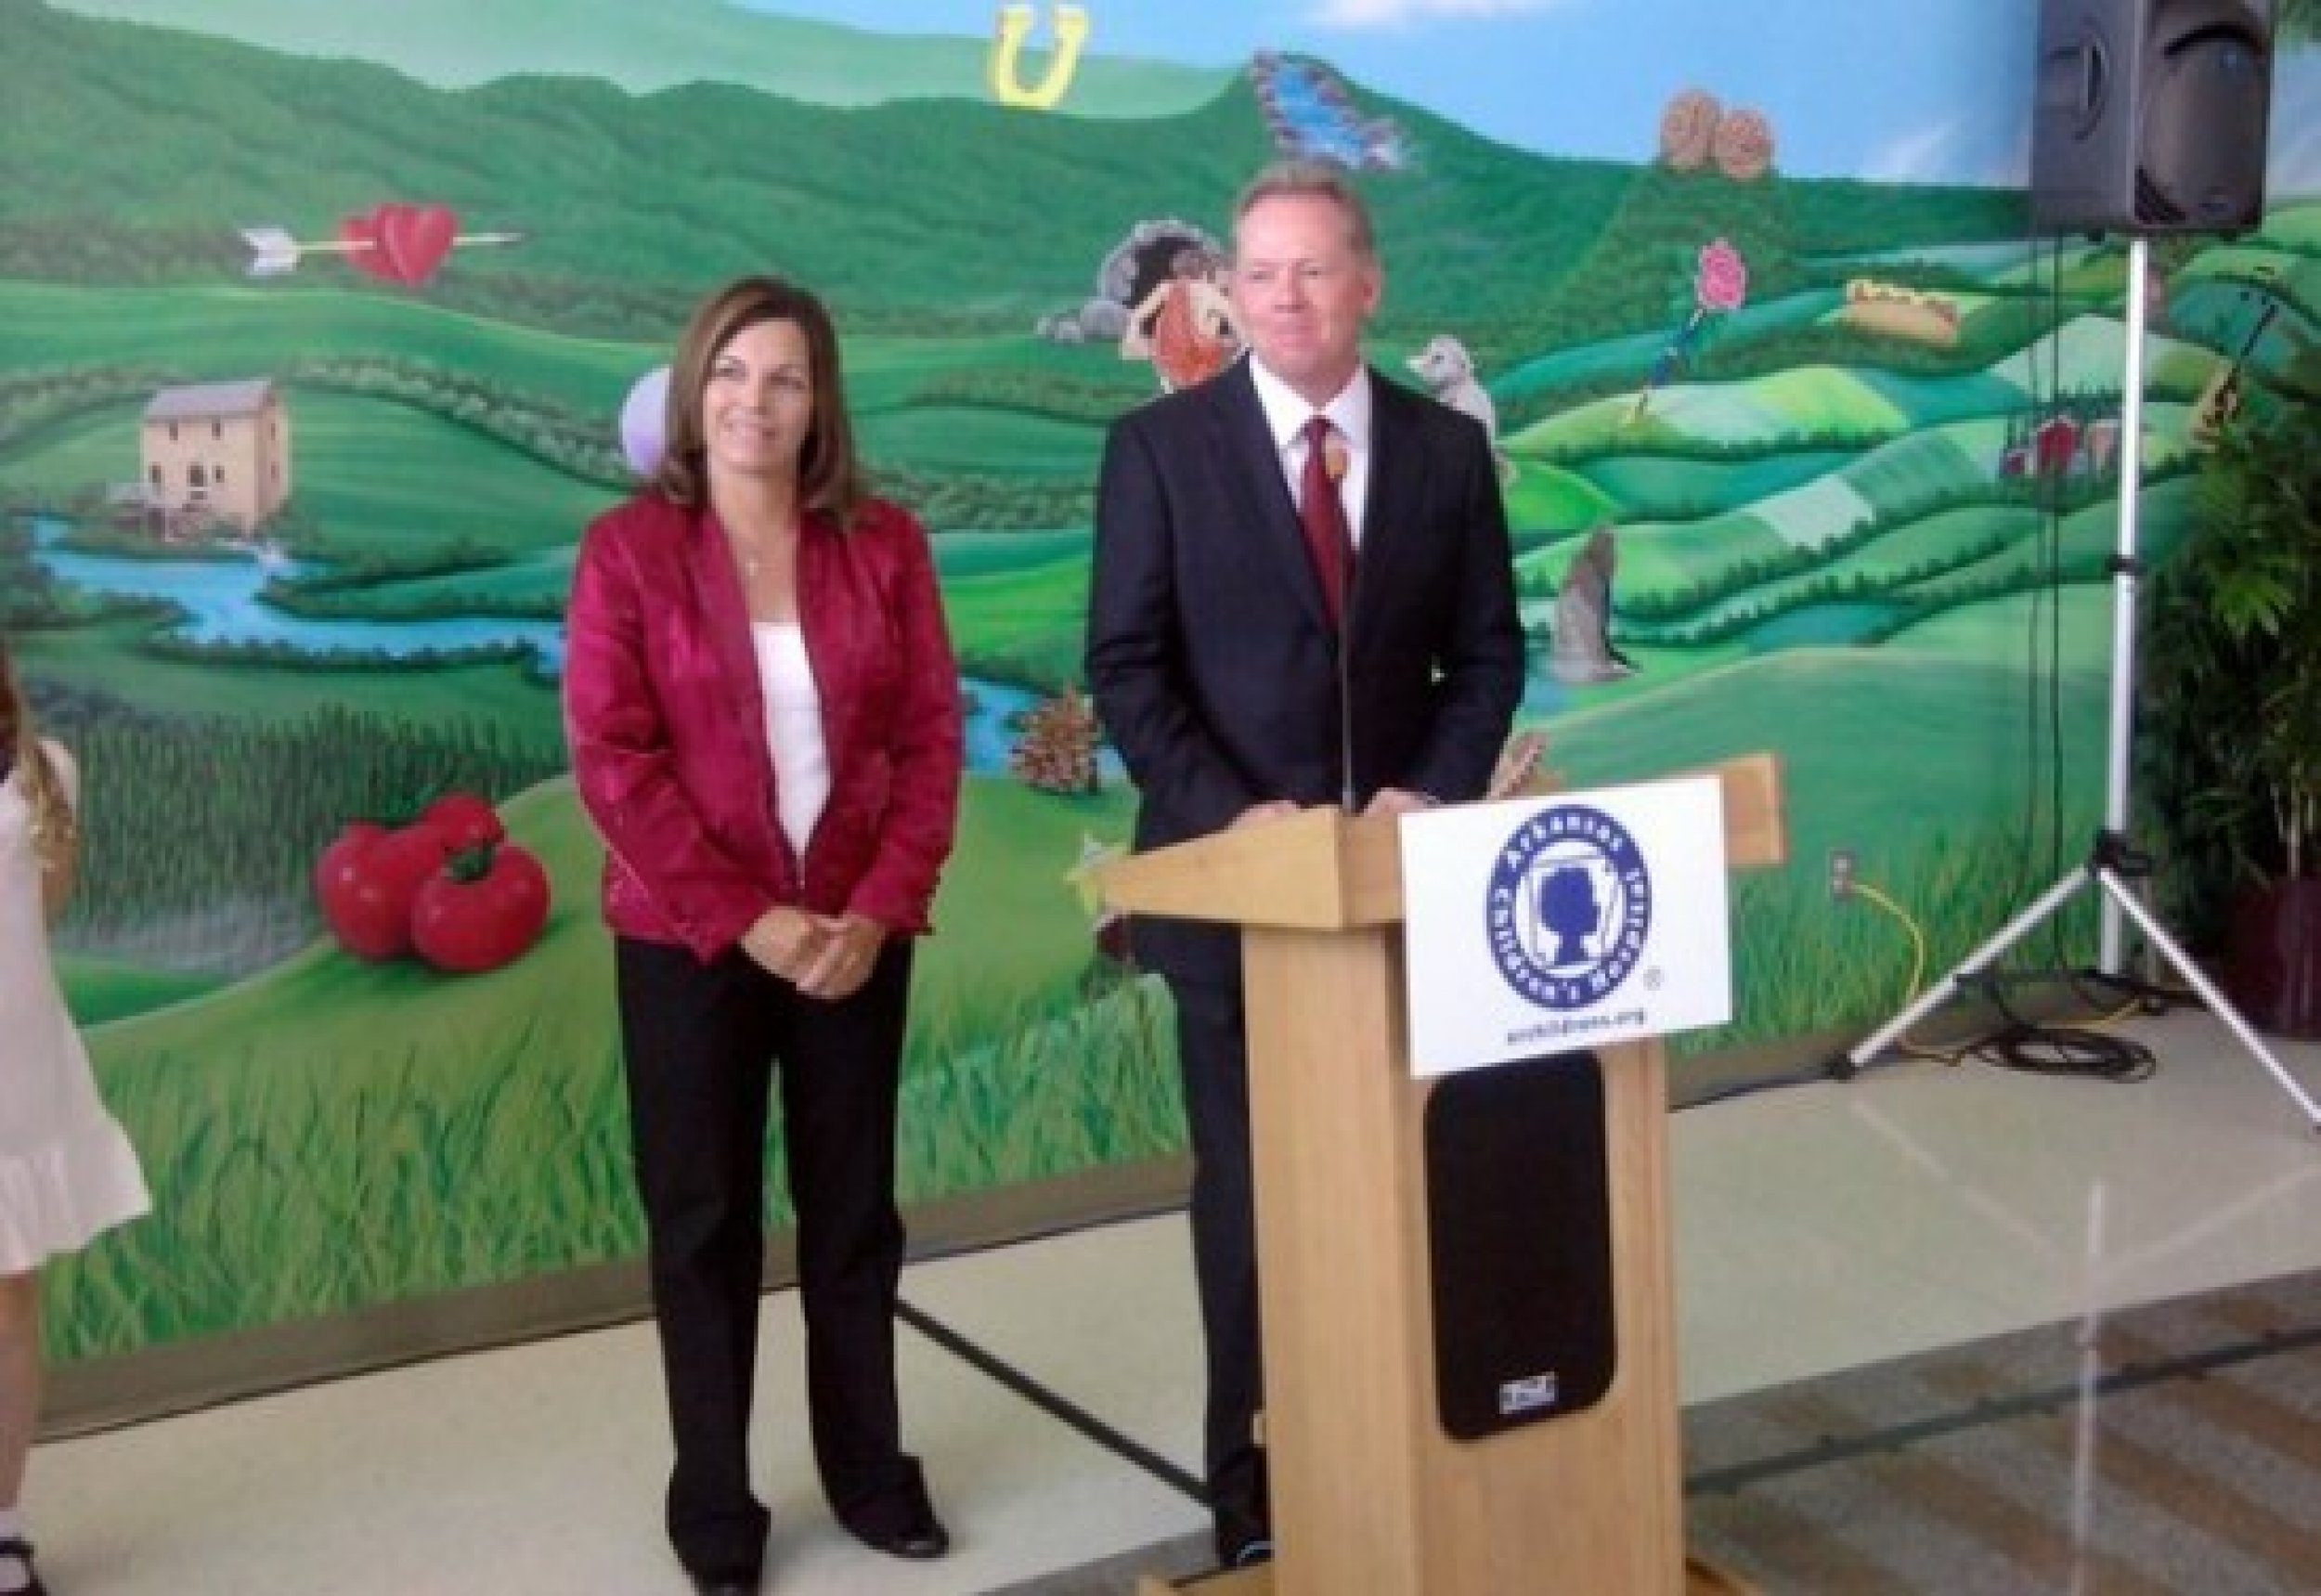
x=2232, y=706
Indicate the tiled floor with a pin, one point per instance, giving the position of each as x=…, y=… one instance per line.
x=1820, y=1227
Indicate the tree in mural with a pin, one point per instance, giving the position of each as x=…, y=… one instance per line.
x=1697, y=131
x=1688, y=129
x=1743, y=146
x=1056, y=752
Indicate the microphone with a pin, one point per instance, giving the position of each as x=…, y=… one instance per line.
x=1335, y=462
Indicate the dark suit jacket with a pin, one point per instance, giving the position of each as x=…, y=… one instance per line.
x=1211, y=657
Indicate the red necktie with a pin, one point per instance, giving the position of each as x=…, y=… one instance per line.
x=1323, y=515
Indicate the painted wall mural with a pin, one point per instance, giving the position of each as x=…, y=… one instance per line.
x=324, y=330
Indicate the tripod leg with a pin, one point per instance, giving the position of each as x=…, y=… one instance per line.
x=2217, y=1003
x=1934, y=996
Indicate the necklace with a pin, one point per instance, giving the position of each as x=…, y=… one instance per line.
x=750, y=552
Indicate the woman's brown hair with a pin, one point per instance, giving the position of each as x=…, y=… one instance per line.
x=830, y=475
x=56, y=832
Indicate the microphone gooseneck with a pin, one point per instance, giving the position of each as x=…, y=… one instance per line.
x=1334, y=463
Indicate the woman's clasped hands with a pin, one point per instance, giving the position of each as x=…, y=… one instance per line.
x=826, y=957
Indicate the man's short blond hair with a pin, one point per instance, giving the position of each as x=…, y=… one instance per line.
x=1321, y=179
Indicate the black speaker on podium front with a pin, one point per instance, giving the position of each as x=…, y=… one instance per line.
x=2150, y=116
x=1519, y=1243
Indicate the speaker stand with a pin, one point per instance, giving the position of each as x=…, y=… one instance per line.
x=2102, y=867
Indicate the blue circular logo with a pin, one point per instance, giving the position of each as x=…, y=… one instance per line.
x=1569, y=906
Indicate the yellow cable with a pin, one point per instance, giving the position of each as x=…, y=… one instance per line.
x=1917, y=966
x=1918, y=972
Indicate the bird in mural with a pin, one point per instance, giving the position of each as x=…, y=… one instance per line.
x=396, y=242
x=1582, y=651
x=1107, y=925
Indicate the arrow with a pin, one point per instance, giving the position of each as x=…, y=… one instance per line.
x=274, y=254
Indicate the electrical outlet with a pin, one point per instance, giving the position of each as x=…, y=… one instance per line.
x=1841, y=872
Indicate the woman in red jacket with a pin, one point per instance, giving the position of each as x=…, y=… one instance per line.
x=765, y=725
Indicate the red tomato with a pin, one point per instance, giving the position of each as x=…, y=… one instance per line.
x=482, y=909
x=462, y=819
x=365, y=882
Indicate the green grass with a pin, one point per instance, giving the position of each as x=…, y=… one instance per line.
x=1542, y=497
x=1026, y=623
x=960, y=438
x=530, y=585
x=107, y=660
x=1648, y=486
x=354, y=477
x=100, y=990
x=334, y=1132
x=353, y=473
x=216, y=331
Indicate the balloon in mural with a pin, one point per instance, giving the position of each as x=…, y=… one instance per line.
x=1719, y=285
x=394, y=242
x=643, y=418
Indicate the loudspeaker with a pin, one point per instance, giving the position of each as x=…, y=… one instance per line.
x=1519, y=1244
x=2149, y=115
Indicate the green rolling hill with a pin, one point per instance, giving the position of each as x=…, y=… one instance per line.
x=995, y=217
x=455, y=44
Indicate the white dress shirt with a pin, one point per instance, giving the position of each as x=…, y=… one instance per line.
x=1349, y=413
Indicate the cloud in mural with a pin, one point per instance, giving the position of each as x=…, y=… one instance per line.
x=1405, y=13
x=644, y=420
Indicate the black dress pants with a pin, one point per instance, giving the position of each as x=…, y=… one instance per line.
x=1212, y=1053
x=702, y=1044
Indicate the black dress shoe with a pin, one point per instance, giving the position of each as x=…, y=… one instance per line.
x=922, y=1538
x=1243, y=1537
x=22, y=1551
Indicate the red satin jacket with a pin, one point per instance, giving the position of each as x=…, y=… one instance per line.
x=666, y=725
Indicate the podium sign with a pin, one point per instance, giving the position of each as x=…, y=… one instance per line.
x=1411, y=1455
x=1547, y=925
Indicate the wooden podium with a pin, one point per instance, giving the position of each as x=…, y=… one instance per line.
x=1370, y=1496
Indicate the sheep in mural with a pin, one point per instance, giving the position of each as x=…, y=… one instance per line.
x=1448, y=372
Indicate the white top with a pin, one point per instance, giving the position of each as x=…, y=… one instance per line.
x=801, y=759
x=1287, y=413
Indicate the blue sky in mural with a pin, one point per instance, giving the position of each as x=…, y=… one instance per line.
x=1894, y=90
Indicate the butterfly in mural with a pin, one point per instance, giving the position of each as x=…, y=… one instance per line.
x=396, y=242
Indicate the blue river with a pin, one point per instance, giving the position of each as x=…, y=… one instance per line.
x=219, y=601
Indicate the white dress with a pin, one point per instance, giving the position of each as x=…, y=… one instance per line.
x=67, y=1170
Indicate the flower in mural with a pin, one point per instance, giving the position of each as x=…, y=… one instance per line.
x=1720, y=284
x=1743, y=146
x=1688, y=129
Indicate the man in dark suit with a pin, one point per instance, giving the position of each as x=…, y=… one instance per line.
x=1252, y=652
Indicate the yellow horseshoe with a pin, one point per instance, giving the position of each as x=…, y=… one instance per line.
x=1071, y=28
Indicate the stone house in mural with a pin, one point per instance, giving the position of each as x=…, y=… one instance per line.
x=214, y=452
